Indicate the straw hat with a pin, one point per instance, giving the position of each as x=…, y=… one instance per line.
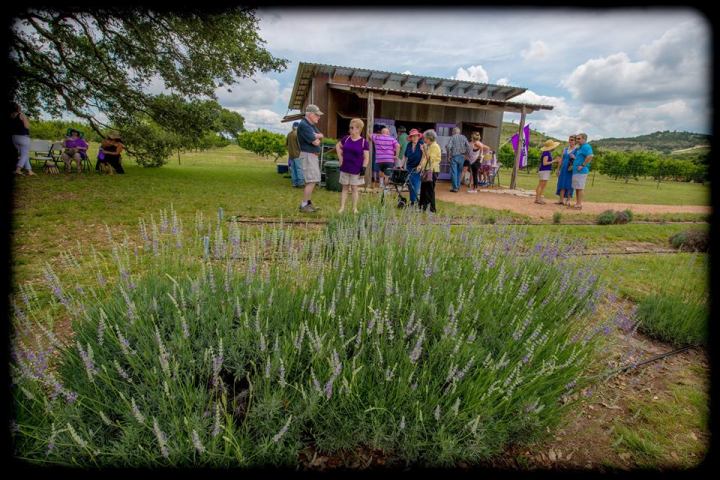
x=549, y=145
x=114, y=135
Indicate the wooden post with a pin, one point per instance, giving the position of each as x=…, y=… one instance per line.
x=521, y=145
x=368, y=133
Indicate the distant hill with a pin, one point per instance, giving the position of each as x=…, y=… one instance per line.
x=675, y=143
x=662, y=142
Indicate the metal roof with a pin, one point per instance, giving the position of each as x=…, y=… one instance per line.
x=406, y=82
x=362, y=79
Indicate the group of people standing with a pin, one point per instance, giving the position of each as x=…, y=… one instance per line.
x=574, y=167
x=418, y=153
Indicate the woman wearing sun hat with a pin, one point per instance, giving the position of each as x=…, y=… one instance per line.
x=411, y=159
x=545, y=168
x=75, y=149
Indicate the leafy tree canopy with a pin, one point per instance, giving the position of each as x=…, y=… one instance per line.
x=98, y=63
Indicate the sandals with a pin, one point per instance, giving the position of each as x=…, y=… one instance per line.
x=540, y=203
x=577, y=207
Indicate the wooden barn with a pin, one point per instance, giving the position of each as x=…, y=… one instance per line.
x=413, y=101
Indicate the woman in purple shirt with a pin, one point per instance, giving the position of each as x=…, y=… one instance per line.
x=354, y=154
x=75, y=149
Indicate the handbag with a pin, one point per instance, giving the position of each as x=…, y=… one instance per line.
x=427, y=174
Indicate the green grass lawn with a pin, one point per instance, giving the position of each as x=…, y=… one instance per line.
x=605, y=189
x=55, y=211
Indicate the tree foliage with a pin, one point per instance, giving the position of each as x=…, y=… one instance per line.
x=264, y=143
x=99, y=63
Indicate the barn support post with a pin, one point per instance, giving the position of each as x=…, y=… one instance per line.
x=368, y=133
x=521, y=142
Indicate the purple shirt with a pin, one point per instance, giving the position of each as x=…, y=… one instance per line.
x=353, y=154
x=75, y=143
x=384, y=148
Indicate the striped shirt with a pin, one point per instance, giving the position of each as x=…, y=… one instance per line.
x=384, y=148
x=458, y=145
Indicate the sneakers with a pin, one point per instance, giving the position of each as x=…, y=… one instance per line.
x=309, y=208
x=472, y=191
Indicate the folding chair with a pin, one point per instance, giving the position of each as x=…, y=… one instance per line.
x=55, y=156
x=39, y=151
x=494, y=176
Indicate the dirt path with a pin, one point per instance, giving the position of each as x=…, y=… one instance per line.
x=522, y=201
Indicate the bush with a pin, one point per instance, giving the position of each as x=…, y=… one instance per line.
x=691, y=240
x=557, y=216
x=606, y=218
x=611, y=217
x=240, y=346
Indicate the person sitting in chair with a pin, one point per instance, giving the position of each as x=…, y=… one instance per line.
x=111, y=148
x=75, y=149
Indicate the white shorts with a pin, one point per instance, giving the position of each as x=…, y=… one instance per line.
x=350, y=179
x=578, y=180
x=311, y=167
x=544, y=174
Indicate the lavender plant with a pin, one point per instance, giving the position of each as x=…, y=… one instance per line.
x=238, y=346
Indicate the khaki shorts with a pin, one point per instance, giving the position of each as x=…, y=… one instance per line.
x=311, y=167
x=350, y=179
x=578, y=180
x=544, y=174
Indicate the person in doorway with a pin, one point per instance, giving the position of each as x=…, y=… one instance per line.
x=545, y=168
x=403, y=141
x=20, y=133
x=473, y=160
x=429, y=169
x=564, y=188
x=354, y=155
x=457, y=147
x=294, y=162
x=411, y=160
x=310, y=139
x=386, y=152
x=581, y=167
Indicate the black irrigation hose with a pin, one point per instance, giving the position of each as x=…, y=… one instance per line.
x=453, y=223
x=649, y=360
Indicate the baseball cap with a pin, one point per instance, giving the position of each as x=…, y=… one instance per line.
x=313, y=109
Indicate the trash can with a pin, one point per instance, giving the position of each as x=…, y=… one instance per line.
x=332, y=175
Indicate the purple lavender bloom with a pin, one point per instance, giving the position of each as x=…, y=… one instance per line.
x=526, y=359
x=428, y=271
x=570, y=385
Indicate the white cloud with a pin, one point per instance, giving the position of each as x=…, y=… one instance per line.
x=668, y=68
x=260, y=91
x=407, y=72
x=474, y=73
x=263, y=118
x=502, y=81
x=538, y=50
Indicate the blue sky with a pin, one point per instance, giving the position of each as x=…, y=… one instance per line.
x=610, y=72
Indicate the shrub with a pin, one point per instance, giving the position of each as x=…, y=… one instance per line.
x=606, y=218
x=557, y=216
x=609, y=217
x=692, y=240
x=239, y=346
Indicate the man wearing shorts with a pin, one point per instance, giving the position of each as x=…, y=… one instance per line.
x=309, y=138
x=581, y=167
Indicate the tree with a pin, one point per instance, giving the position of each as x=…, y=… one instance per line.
x=263, y=143
x=98, y=63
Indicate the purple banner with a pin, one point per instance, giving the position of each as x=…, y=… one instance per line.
x=515, y=140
